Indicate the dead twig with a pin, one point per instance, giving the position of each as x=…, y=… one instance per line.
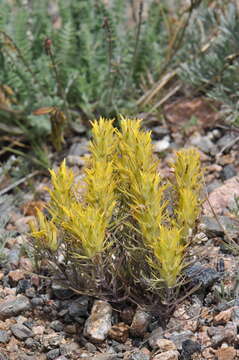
x=164, y=99
x=227, y=147
x=12, y=186
x=145, y=99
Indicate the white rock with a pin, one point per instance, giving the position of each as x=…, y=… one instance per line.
x=162, y=145
x=98, y=324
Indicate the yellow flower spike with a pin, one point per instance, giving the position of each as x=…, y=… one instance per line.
x=45, y=233
x=101, y=188
x=100, y=176
x=103, y=144
x=168, y=252
x=187, y=169
x=139, y=181
x=135, y=147
x=188, y=209
x=148, y=206
x=188, y=185
x=62, y=193
x=88, y=228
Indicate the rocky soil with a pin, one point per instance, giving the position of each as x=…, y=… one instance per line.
x=40, y=319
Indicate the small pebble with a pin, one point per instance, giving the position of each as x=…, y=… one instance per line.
x=4, y=337
x=53, y=354
x=21, y=332
x=56, y=325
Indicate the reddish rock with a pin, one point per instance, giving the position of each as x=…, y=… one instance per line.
x=208, y=353
x=180, y=112
x=227, y=353
x=119, y=332
x=223, y=317
x=13, y=345
x=203, y=337
x=38, y=330
x=26, y=264
x=15, y=276
x=30, y=207
x=223, y=197
x=22, y=224
x=35, y=280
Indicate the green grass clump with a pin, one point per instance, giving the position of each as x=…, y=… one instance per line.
x=84, y=64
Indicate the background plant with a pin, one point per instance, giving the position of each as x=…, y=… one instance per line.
x=6, y=204
x=211, y=65
x=80, y=60
x=119, y=238
x=73, y=63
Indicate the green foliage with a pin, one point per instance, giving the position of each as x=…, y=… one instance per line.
x=115, y=230
x=5, y=204
x=78, y=59
x=212, y=61
x=84, y=59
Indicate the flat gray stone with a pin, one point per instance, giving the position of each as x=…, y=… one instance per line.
x=103, y=357
x=156, y=335
x=161, y=145
x=53, y=354
x=220, y=334
x=4, y=337
x=212, y=228
x=139, y=355
x=21, y=331
x=140, y=323
x=199, y=274
x=79, y=307
x=61, y=292
x=56, y=325
x=9, y=308
x=80, y=148
x=179, y=337
x=204, y=144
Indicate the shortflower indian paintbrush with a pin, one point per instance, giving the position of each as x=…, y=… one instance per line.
x=122, y=175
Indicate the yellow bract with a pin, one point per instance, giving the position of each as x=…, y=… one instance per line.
x=103, y=144
x=101, y=188
x=188, y=185
x=84, y=223
x=187, y=169
x=168, y=251
x=87, y=227
x=44, y=232
x=62, y=192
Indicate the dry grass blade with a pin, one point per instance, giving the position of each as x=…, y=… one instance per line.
x=146, y=98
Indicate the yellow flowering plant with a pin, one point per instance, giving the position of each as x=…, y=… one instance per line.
x=119, y=237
